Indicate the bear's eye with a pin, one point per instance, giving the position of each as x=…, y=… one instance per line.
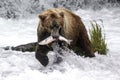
x=56, y=26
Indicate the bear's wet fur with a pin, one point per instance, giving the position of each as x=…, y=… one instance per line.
x=60, y=21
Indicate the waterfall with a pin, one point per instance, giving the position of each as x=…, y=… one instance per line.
x=23, y=8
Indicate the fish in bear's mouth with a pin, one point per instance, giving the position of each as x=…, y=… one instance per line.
x=50, y=39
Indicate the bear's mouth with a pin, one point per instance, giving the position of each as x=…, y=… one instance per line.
x=56, y=37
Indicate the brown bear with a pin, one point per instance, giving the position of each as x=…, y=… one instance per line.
x=59, y=21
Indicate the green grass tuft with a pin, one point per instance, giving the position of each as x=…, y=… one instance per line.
x=98, y=39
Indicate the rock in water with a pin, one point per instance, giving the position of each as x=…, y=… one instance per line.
x=30, y=47
x=25, y=47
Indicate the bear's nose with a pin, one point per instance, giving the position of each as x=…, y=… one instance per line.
x=55, y=37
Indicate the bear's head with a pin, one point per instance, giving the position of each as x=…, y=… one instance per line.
x=53, y=23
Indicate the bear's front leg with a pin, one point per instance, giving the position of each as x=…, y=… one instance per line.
x=41, y=54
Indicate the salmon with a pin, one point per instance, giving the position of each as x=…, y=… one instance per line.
x=51, y=39
x=47, y=41
x=64, y=39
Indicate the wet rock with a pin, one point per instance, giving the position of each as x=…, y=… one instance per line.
x=30, y=47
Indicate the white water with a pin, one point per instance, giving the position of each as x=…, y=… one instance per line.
x=23, y=66
x=27, y=8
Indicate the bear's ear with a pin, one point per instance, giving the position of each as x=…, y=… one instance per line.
x=42, y=17
x=62, y=14
x=53, y=15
